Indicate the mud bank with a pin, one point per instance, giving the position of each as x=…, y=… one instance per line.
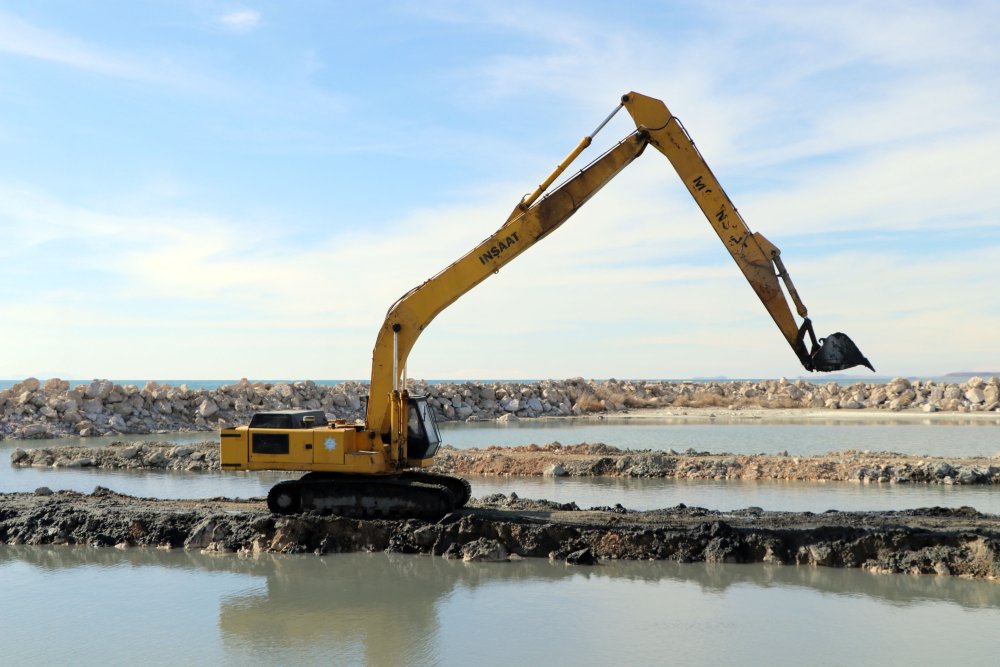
x=585, y=460
x=959, y=542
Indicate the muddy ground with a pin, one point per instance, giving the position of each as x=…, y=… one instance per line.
x=958, y=542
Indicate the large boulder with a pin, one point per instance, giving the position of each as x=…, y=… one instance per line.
x=207, y=408
x=485, y=550
x=99, y=389
x=56, y=386
x=975, y=395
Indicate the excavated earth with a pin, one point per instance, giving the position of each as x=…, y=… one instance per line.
x=958, y=542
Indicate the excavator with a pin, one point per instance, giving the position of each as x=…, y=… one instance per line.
x=375, y=468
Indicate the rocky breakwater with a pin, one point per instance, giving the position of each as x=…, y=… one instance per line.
x=959, y=542
x=32, y=409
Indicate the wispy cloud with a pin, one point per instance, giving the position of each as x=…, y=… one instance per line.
x=240, y=20
x=18, y=37
x=23, y=39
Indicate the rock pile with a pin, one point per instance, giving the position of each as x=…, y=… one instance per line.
x=31, y=409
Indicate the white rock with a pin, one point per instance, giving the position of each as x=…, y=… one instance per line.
x=555, y=470
x=207, y=408
x=975, y=396
x=99, y=389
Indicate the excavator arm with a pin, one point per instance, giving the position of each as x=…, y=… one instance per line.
x=758, y=259
x=534, y=218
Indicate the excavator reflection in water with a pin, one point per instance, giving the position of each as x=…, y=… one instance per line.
x=372, y=469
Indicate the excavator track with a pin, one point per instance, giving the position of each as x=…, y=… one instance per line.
x=460, y=488
x=411, y=495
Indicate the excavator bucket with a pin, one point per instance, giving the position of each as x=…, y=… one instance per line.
x=833, y=353
x=837, y=352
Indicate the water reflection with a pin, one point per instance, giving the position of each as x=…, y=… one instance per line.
x=372, y=583
x=385, y=609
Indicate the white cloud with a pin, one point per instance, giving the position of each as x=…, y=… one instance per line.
x=240, y=20
x=21, y=38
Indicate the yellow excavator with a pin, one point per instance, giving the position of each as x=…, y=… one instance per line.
x=373, y=469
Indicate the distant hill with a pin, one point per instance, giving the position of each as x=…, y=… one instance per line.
x=969, y=374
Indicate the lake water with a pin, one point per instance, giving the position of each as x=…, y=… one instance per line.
x=74, y=605
x=105, y=606
x=957, y=437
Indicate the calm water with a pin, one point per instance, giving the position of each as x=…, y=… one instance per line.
x=105, y=606
x=798, y=437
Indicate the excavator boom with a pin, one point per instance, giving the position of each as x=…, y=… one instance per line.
x=534, y=218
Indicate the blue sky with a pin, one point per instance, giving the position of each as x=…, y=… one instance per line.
x=199, y=189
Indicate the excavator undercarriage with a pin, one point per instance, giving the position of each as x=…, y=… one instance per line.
x=410, y=494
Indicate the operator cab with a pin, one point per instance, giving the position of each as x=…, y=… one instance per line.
x=286, y=419
x=422, y=434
